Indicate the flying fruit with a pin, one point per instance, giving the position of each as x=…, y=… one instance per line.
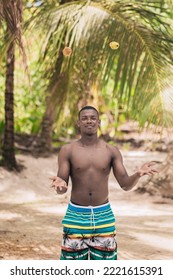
x=114, y=45
x=67, y=51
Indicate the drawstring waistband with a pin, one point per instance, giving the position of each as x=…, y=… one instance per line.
x=92, y=217
x=89, y=209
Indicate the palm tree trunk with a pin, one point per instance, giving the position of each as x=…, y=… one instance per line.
x=54, y=103
x=51, y=104
x=8, y=153
x=47, y=127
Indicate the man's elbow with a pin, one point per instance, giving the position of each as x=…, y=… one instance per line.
x=126, y=187
x=126, y=184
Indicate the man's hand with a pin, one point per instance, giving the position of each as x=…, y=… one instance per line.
x=58, y=184
x=147, y=169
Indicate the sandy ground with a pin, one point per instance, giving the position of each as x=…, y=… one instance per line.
x=31, y=213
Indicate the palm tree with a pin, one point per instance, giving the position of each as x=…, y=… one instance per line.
x=11, y=13
x=141, y=68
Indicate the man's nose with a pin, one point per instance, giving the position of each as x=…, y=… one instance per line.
x=89, y=120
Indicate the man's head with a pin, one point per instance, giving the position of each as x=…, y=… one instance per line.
x=88, y=108
x=88, y=121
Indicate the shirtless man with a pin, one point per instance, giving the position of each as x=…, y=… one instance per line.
x=89, y=223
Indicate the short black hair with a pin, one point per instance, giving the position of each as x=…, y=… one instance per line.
x=88, y=108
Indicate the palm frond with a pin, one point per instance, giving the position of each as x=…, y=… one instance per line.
x=140, y=68
x=11, y=13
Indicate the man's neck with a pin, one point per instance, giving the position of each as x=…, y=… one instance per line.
x=89, y=140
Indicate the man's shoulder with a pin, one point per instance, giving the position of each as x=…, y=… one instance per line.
x=113, y=149
x=68, y=147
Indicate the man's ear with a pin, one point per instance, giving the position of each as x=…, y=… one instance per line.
x=99, y=123
x=78, y=123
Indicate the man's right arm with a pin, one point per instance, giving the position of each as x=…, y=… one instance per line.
x=60, y=181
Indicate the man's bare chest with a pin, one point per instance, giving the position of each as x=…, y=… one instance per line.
x=96, y=159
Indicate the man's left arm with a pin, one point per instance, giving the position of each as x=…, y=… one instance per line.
x=125, y=181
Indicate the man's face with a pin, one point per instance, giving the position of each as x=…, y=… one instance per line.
x=88, y=122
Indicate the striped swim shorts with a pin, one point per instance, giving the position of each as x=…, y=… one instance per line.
x=89, y=233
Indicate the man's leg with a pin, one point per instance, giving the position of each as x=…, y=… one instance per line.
x=74, y=255
x=104, y=248
x=103, y=245
x=74, y=243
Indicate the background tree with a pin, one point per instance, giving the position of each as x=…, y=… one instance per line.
x=11, y=12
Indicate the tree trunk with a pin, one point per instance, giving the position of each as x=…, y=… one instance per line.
x=54, y=102
x=8, y=152
x=55, y=90
x=47, y=127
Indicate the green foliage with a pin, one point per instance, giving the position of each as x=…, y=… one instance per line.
x=132, y=81
x=136, y=75
x=29, y=95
